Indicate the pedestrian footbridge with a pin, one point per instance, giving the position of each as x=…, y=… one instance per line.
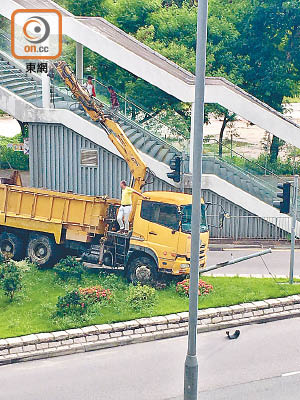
x=124, y=50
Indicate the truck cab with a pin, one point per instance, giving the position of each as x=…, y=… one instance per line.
x=160, y=240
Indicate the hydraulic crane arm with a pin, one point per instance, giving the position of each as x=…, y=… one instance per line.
x=115, y=133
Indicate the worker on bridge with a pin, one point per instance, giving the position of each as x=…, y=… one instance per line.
x=90, y=87
x=126, y=206
x=115, y=105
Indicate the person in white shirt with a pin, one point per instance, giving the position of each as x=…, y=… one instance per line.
x=90, y=87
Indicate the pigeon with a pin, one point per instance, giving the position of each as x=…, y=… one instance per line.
x=234, y=336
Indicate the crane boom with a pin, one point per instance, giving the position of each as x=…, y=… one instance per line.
x=114, y=132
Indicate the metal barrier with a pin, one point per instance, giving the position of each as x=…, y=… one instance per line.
x=250, y=227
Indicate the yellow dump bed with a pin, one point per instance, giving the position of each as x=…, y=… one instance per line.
x=50, y=211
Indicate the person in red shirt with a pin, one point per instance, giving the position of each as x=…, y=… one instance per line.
x=115, y=106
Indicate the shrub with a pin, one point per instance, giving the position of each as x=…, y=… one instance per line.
x=24, y=265
x=10, y=279
x=141, y=296
x=183, y=288
x=69, y=268
x=95, y=294
x=13, y=159
x=111, y=280
x=2, y=259
x=72, y=302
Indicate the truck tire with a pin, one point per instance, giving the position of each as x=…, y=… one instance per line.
x=142, y=270
x=12, y=246
x=42, y=250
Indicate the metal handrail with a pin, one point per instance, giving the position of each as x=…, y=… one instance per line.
x=242, y=156
x=179, y=134
x=33, y=83
x=254, y=177
x=141, y=109
x=124, y=118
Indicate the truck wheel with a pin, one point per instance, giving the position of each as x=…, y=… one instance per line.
x=142, y=270
x=42, y=250
x=11, y=246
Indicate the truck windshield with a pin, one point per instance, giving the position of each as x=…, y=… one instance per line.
x=186, y=219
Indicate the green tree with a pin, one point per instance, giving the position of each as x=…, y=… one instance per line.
x=10, y=279
x=253, y=43
x=270, y=41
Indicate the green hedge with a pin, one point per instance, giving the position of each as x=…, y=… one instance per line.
x=12, y=159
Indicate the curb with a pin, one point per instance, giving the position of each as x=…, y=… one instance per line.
x=71, y=341
x=220, y=275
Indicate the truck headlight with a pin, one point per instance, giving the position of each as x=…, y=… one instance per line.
x=184, y=266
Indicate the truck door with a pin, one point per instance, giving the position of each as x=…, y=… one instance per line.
x=163, y=229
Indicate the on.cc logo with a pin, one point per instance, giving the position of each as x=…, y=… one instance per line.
x=36, y=29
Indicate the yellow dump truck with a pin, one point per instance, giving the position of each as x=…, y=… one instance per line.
x=43, y=225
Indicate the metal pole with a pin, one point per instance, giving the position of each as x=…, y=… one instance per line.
x=182, y=172
x=192, y=137
x=191, y=362
x=294, y=220
x=235, y=261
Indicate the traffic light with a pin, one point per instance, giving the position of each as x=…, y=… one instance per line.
x=175, y=165
x=285, y=195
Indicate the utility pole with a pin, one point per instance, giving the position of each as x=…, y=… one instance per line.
x=191, y=362
x=294, y=221
x=182, y=171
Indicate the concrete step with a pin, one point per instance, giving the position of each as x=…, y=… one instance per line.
x=155, y=150
x=149, y=145
x=130, y=131
x=14, y=85
x=25, y=89
x=7, y=80
x=163, y=153
x=136, y=135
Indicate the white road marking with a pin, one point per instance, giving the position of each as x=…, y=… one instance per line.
x=291, y=373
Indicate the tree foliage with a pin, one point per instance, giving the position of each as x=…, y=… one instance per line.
x=10, y=279
x=253, y=43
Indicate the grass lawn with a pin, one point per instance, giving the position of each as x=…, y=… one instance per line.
x=32, y=309
x=291, y=99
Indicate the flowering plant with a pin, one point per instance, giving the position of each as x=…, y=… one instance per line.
x=95, y=294
x=183, y=288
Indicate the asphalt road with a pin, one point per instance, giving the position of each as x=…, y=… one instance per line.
x=252, y=367
x=278, y=262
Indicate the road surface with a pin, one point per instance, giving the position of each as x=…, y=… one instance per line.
x=263, y=363
x=278, y=262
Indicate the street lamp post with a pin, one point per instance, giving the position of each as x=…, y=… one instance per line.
x=294, y=222
x=191, y=362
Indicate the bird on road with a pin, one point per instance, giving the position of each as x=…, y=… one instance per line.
x=234, y=336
